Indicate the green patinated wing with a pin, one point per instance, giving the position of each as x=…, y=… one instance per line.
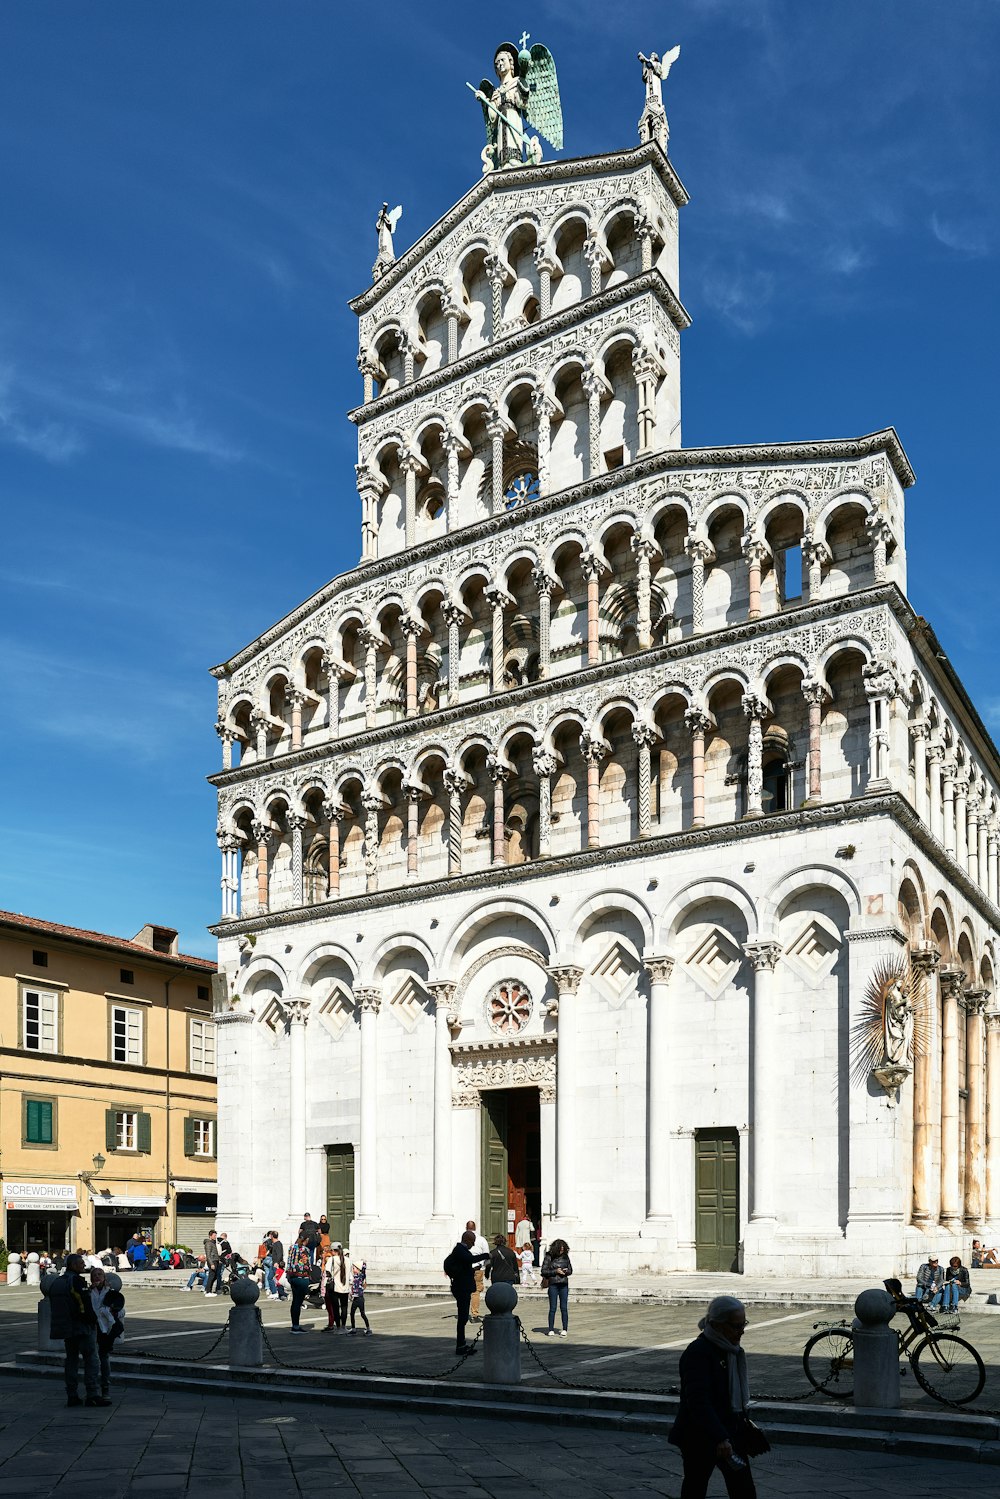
x=544, y=111
x=486, y=87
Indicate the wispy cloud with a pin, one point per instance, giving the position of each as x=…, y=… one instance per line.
x=47, y=439
x=963, y=238
x=740, y=296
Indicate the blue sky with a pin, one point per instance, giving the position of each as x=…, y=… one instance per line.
x=189, y=194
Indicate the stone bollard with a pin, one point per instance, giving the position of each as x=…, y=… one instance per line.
x=876, y=1352
x=31, y=1271
x=246, y=1340
x=501, y=1337
x=14, y=1270
x=46, y=1342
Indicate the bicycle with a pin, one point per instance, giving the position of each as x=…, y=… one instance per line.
x=945, y=1365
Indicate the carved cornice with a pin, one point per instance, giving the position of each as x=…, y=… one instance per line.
x=521, y=1045
x=536, y=335
x=656, y=466
x=610, y=164
x=732, y=637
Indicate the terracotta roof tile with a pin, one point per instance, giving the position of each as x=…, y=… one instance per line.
x=83, y=934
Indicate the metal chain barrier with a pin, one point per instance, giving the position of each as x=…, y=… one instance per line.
x=362, y=1368
x=189, y=1358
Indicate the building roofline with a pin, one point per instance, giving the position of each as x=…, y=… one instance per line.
x=14, y=921
x=884, y=441
x=524, y=176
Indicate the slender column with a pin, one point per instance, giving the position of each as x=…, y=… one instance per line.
x=498, y=276
x=878, y=741
x=370, y=490
x=935, y=758
x=370, y=639
x=593, y=751
x=975, y=1039
x=961, y=825
x=334, y=670
x=698, y=724
x=926, y=1092
x=297, y=1011
x=814, y=693
x=453, y=444
x=592, y=568
x=644, y=233
x=595, y=258
x=644, y=734
x=443, y=995
x=645, y=369
x=921, y=730
x=296, y=698
x=948, y=808
x=543, y=762
x=411, y=464
x=228, y=737
x=334, y=812
x=496, y=427
x=369, y=1003
x=499, y=774
x=545, y=410
x=259, y=725
x=456, y=784
x=369, y=368
x=972, y=836
x=952, y=987
x=658, y=1080
x=296, y=822
x=593, y=385
x=879, y=535
x=817, y=556
x=566, y=977
x=754, y=551
x=372, y=802
x=412, y=627
x=408, y=351
x=755, y=710
x=228, y=847
x=453, y=615
x=700, y=552
x=766, y=1068
x=547, y=268
x=453, y=317
x=414, y=793
x=544, y=584
x=643, y=549
x=984, y=857
x=994, y=865
x=262, y=834
x=993, y=1115
x=498, y=601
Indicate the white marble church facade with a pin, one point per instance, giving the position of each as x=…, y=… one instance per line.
x=598, y=789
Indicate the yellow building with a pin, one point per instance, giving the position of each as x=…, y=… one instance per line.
x=107, y=1088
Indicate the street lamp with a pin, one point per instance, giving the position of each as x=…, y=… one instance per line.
x=99, y=1163
x=87, y=1176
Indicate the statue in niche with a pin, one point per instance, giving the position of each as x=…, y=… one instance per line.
x=526, y=93
x=891, y=1028
x=897, y=1023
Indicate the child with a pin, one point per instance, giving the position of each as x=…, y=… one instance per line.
x=527, y=1266
x=359, y=1277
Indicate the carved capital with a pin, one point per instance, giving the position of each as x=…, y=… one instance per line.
x=993, y=1020
x=593, y=749
x=566, y=977
x=697, y=720
x=698, y=549
x=644, y=734
x=754, y=706
x=754, y=549
x=815, y=693
x=228, y=842
x=453, y=613
x=659, y=969
x=295, y=821
x=544, y=582
x=335, y=811
x=642, y=546
x=262, y=832
x=368, y=1000
x=763, y=955
x=297, y=1011
x=372, y=800
x=974, y=1001
x=412, y=624
x=925, y=960
x=592, y=565
x=543, y=762
x=455, y=781
x=497, y=769
x=952, y=983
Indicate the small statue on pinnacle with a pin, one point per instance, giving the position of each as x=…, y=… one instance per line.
x=385, y=226
x=653, y=120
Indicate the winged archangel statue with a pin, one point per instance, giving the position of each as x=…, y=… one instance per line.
x=385, y=226
x=526, y=93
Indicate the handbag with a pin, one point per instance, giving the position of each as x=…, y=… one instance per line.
x=752, y=1439
x=545, y=1282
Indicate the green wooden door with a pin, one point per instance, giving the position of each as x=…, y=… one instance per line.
x=340, y=1191
x=494, y=1164
x=717, y=1199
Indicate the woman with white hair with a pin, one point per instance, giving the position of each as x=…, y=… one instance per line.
x=713, y=1428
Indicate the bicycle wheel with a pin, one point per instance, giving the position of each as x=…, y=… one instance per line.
x=948, y=1368
x=828, y=1359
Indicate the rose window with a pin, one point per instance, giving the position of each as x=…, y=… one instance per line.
x=522, y=488
x=508, y=1007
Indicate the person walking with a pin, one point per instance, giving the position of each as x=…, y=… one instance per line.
x=109, y=1309
x=480, y=1251
x=213, y=1259
x=73, y=1320
x=523, y=1232
x=712, y=1428
x=460, y=1268
x=297, y=1270
x=338, y=1286
x=275, y=1285
x=359, y=1280
x=556, y=1270
x=505, y=1267
x=527, y=1258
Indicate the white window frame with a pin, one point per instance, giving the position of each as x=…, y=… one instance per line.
x=132, y=1021
x=204, y=1029
x=126, y=1129
x=204, y=1138
x=42, y=1001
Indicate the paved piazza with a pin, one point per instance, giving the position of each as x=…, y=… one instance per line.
x=172, y=1443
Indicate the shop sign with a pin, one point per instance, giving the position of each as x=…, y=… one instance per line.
x=44, y=1196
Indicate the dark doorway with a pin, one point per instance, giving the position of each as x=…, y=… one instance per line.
x=340, y=1192
x=511, y=1160
x=717, y=1199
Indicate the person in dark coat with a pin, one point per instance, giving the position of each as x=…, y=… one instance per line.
x=505, y=1267
x=460, y=1268
x=714, y=1396
x=74, y=1321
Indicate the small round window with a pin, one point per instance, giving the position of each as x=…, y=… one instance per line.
x=508, y=1007
x=521, y=489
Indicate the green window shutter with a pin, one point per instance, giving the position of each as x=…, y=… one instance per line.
x=39, y=1122
x=189, y=1137
x=110, y=1129
x=144, y=1141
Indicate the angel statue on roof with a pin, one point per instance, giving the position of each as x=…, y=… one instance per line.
x=526, y=93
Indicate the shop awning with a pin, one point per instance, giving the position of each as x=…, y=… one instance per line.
x=100, y=1200
x=209, y=1188
x=40, y=1197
